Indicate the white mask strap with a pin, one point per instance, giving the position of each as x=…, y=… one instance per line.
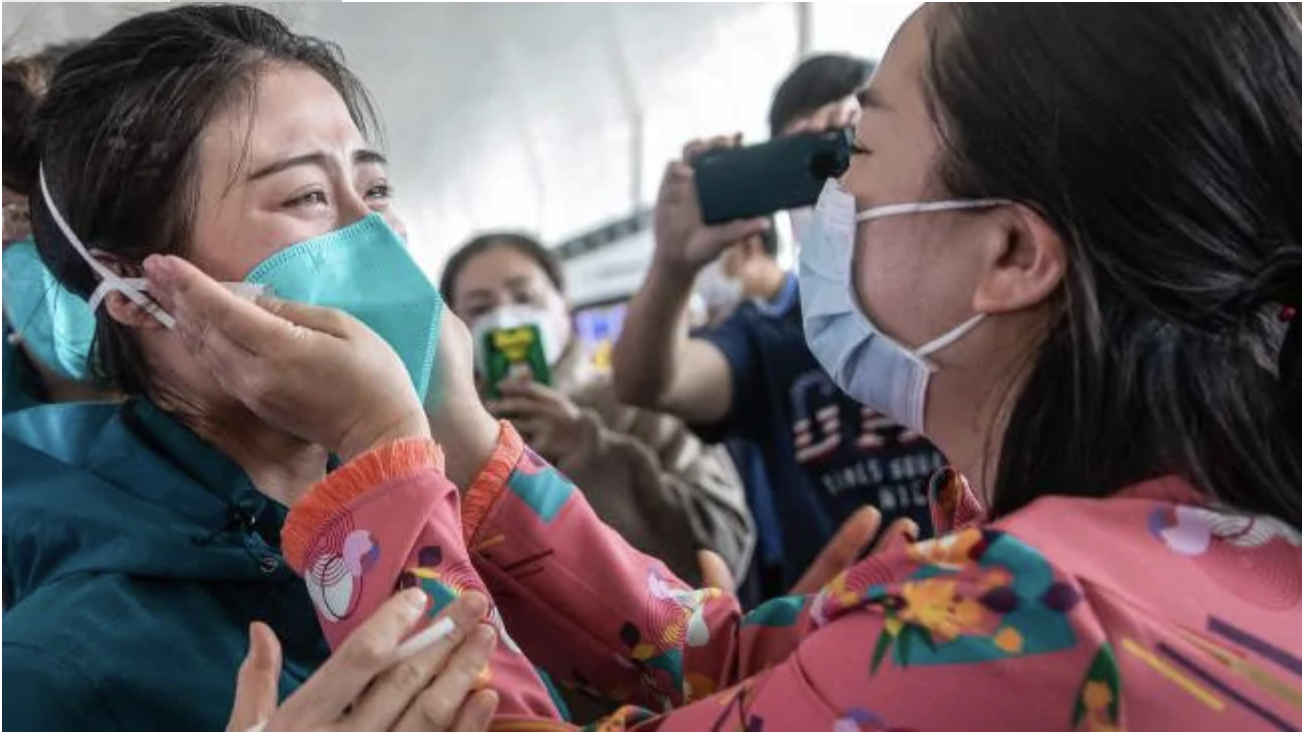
x=891, y=210
x=956, y=333
x=109, y=280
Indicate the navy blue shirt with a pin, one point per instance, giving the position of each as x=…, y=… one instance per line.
x=825, y=455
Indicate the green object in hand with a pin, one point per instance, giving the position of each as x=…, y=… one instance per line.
x=514, y=353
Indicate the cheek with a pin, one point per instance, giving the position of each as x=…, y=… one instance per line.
x=891, y=283
x=558, y=312
x=228, y=249
x=396, y=223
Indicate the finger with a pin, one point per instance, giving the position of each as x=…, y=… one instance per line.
x=732, y=232
x=315, y=318
x=534, y=433
x=901, y=532
x=716, y=574
x=436, y=707
x=200, y=303
x=364, y=654
x=836, y=115
x=256, y=682
x=802, y=125
x=695, y=148
x=394, y=691
x=534, y=390
x=692, y=150
x=475, y=715
x=842, y=551
x=513, y=407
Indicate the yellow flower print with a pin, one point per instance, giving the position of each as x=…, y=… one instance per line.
x=1009, y=640
x=934, y=605
x=1097, y=695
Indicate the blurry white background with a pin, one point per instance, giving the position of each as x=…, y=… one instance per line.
x=549, y=118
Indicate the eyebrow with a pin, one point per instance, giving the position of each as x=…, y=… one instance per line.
x=513, y=283
x=316, y=158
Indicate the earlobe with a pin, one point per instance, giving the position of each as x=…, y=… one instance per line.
x=1024, y=268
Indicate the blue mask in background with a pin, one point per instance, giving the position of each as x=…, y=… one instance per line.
x=57, y=326
x=365, y=270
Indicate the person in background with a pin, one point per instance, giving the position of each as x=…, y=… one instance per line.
x=1108, y=200
x=643, y=472
x=48, y=330
x=812, y=455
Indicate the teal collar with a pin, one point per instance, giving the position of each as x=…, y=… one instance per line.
x=230, y=500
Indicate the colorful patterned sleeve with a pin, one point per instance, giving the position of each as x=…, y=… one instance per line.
x=597, y=615
x=928, y=636
x=386, y=520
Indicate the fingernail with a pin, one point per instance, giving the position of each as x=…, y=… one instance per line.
x=154, y=266
x=486, y=635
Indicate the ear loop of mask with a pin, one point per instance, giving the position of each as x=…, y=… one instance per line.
x=109, y=280
x=133, y=288
x=925, y=350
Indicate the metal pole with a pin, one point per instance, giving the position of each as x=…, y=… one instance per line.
x=803, y=15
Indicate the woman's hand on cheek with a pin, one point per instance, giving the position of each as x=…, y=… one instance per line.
x=315, y=373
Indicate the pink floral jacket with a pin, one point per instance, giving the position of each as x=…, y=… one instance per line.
x=1148, y=610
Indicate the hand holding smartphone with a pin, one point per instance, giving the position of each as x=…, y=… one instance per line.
x=758, y=180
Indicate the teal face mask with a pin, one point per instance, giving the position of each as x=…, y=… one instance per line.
x=363, y=269
x=56, y=325
x=366, y=271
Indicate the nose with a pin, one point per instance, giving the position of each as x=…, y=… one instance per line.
x=351, y=206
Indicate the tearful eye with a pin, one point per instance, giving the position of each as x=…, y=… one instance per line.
x=312, y=198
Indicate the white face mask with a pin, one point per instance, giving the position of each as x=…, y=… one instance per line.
x=553, y=331
x=800, y=221
x=862, y=360
x=718, y=290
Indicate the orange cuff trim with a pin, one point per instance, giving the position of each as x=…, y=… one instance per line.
x=332, y=496
x=484, y=492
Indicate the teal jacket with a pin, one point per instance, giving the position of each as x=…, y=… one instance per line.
x=135, y=557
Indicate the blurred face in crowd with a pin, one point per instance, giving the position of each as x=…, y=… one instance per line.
x=505, y=276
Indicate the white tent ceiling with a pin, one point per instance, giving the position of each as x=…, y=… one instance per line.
x=548, y=117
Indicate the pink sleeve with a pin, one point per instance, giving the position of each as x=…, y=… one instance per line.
x=931, y=636
x=596, y=614
x=386, y=520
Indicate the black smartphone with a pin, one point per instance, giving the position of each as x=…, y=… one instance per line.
x=757, y=180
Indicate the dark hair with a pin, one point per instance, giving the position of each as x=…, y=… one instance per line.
x=526, y=245
x=1163, y=144
x=25, y=80
x=117, y=135
x=814, y=83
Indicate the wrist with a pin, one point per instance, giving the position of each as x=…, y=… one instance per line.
x=468, y=435
x=360, y=442
x=675, y=276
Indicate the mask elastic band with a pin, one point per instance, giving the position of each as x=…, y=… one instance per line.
x=109, y=280
x=890, y=210
x=956, y=333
